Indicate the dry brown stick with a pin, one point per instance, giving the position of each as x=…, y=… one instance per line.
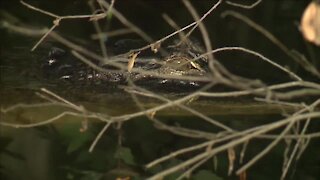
x=309, y=108
x=285, y=103
x=23, y=30
x=110, y=8
x=83, y=114
x=188, y=172
x=191, y=133
x=216, y=139
x=264, y=89
x=48, y=121
x=233, y=77
x=175, y=130
x=242, y=152
x=266, y=150
x=44, y=36
x=39, y=10
x=210, y=142
x=299, y=93
x=259, y=28
x=126, y=117
x=179, y=152
x=225, y=138
x=153, y=119
x=193, y=111
x=292, y=136
x=244, y=6
x=203, y=17
x=174, y=25
x=61, y=102
x=275, y=142
x=78, y=108
x=98, y=30
x=294, y=151
x=184, y=132
x=103, y=118
x=193, y=24
x=60, y=17
x=201, y=93
x=126, y=22
x=292, y=74
x=98, y=137
x=303, y=62
x=55, y=22
x=37, y=105
x=234, y=143
x=129, y=116
x=164, y=38
x=203, y=30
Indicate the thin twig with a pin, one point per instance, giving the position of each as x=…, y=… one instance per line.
x=79, y=108
x=188, y=172
x=244, y=6
x=48, y=121
x=203, y=17
x=39, y=10
x=126, y=22
x=299, y=141
x=303, y=62
x=43, y=37
x=265, y=150
x=98, y=137
x=99, y=31
x=203, y=30
x=202, y=116
x=37, y=105
x=234, y=143
x=193, y=24
x=56, y=22
x=255, y=54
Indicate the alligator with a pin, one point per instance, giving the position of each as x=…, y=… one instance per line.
x=178, y=61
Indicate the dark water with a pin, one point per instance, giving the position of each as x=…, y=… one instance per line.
x=59, y=150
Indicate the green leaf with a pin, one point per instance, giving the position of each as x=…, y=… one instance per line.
x=70, y=133
x=78, y=141
x=206, y=175
x=173, y=176
x=92, y=176
x=125, y=155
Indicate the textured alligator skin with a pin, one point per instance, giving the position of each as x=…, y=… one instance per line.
x=59, y=65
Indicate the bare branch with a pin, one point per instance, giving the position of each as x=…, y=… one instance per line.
x=244, y=6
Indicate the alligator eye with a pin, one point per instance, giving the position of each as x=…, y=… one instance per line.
x=65, y=77
x=51, y=62
x=89, y=76
x=164, y=81
x=192, y=83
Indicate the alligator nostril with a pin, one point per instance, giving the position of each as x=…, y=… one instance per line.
x=66, y=77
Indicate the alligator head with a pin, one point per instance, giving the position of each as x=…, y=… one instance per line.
x=152, y=71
